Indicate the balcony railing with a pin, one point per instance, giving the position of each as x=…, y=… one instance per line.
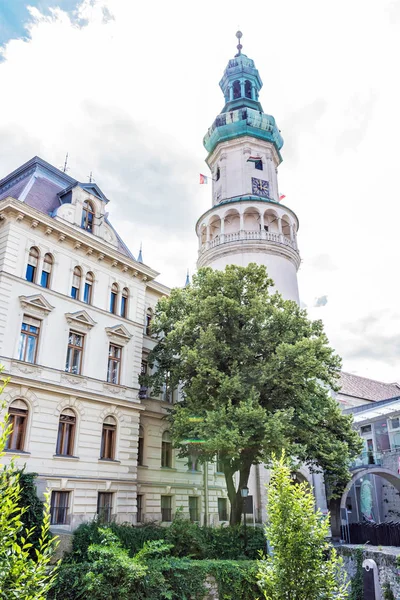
x=366, y=460
x=226, y=238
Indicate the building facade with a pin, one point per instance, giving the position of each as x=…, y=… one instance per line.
x=74, y=336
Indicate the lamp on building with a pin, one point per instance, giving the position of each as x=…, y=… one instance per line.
x=244, y=492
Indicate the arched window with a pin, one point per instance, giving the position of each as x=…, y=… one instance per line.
x=17, y=418
x=66, y=433
x=140, y=446
x=108, y=435
x=247, y=88
x=46, y=271
x=113, y=298
x=87, y=216
x=76, y=283
x=237, y=92
x=87, y=292
x=31, y=267
x=166, y=450
x=218, y=174
x=149, y=318
x=124, y=302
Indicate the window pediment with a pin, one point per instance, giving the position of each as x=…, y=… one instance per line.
x=36, y=304
x=118, y=334
x=80, y=319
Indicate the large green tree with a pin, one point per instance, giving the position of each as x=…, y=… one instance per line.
x=255, y=376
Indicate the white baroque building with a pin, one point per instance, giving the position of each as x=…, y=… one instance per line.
x=74, y=314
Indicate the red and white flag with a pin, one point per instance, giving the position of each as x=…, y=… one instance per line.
x=203, y=178
x=281, y=197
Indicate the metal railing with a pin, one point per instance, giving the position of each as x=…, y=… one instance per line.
x=382, y=534
x=367, y=459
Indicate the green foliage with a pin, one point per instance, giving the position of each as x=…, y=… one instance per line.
x=106, y=571
x=303, y=566
x=357, y=584
x=32, y=505
x=387, y=592
x=22, y=577
x=188, y=539
x=255, y=374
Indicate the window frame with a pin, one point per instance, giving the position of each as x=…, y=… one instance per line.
x=87, y=210
x=149, y=318
x=140, y=452
x=34, y=267
x=222, y=511
x=194, y=512
x=25, y=334
x=166, y=451
x=62, y=434
x=166, y=511
x=108, y=441
x=101, y=508
x=75, y=347
x=49, y=261
x=124, y=303
x=139, y=508
x=56, y=508
x=117, y=360
x=88, y=287
x=114, y=298
x=17, y=434
x=76, y=295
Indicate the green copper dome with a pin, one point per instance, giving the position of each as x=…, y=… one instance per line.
x=242, y=113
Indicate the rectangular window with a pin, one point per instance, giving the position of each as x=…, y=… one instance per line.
x=139, y=499
x=140, y=449
x=87, y=293
x=220, y=466
x=124, y=300
x=366, y=429
x=395, y=423
x=73, y=363
x=45, y=278
x=113, y=302
x=222, y=509
x=258, y=165
x=104, y=506
x=28, y=340
x=59, y=507
x=381, y=436
x=114, y=364
x=107, y=449
x=30, y=273
x=166, y=508
x=194, y=508
x=66, y=434
x=17, y=418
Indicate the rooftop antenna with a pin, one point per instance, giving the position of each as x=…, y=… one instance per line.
x=239, y=35
x=90, y=177
x=65, y=168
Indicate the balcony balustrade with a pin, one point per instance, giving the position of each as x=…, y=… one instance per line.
x=367, y=460
x=238, y=236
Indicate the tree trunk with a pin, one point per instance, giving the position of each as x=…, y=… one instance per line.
x=234, y=495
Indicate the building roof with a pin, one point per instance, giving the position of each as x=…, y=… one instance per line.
x=43, y=187
x=369, y=412
x=367, y=389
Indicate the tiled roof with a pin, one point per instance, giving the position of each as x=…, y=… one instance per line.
x=38, y=184
x=367, y=389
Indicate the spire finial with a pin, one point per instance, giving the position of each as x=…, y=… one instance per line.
x=140, y=257
x=239, y=35
x=187, y=282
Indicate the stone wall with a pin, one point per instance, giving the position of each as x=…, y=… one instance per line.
x=385, y=558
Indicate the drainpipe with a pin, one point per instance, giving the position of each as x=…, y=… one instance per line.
x=205, y=475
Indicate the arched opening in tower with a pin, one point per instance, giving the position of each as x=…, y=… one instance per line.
x=236, y=90
x=247, y=89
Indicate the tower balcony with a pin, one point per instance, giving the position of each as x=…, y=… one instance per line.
x=251, y=241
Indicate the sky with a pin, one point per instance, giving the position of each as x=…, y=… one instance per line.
x=129, y=89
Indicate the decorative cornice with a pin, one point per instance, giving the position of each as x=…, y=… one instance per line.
x=118, y=334
x=80, y=319
x=36, y=304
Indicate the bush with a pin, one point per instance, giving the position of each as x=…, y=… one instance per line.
x=188, y=539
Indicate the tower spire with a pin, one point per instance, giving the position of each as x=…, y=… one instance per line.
x=239, y=35
x=140, y=257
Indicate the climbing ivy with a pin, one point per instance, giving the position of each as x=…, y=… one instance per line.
x=357, y=584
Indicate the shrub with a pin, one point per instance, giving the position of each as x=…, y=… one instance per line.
x=302, y=566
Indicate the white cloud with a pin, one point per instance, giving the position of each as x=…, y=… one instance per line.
x=129, y=89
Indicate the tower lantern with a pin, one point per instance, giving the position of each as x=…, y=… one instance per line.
x=247, y=223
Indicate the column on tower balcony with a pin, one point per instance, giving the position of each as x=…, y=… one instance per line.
x=208, y=236
x=242, y=88
x=280, y=230
x=253, y=91
x=262, y=224
x=222, y=231
x=241, y=226
x=230, y=91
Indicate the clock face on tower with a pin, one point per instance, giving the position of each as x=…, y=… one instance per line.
x=260, y=187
